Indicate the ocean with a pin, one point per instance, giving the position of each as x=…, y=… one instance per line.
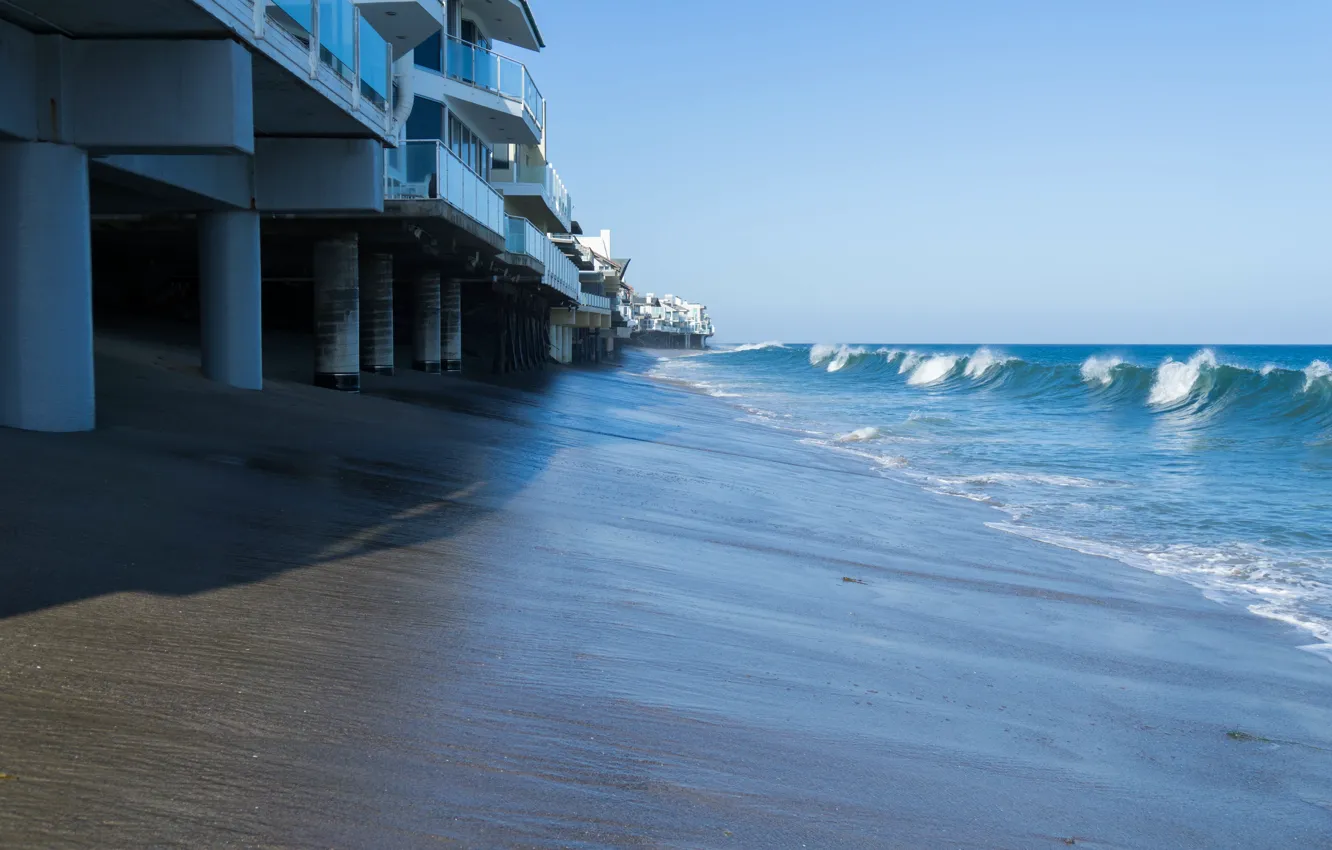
x=1212, y=465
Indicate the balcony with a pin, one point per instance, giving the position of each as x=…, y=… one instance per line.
x=592, y=301
x=491, y=92
x=536, y=192
x=345, y=43
x=403, y=23
x=561, y=273
x=427, y=169
x=522, y=237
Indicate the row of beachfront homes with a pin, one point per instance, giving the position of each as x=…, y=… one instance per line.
x=374, y=172
x=668, y=321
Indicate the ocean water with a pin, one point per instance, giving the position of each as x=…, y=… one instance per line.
x=1209, y=464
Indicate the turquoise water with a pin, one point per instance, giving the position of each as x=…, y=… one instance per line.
x=1210, y=464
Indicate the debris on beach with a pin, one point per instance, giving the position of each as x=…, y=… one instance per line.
x=1237, y=735
x=7, y=777
x=850, y=580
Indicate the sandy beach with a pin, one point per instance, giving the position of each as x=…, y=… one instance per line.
x=595, y=611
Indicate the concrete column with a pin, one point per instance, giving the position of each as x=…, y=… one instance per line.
x=46, y=333
x=425, y=324
x=231, y=299
x=376, y=285
x=451, y=321
x=337, y=314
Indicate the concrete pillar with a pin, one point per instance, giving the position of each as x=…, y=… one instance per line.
x=451, y=319
x=425, y=324
x=231, y=299
x=46, y=334
x=337, y=314
x=376, y=285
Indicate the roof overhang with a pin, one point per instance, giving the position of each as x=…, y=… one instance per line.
x=509, y=21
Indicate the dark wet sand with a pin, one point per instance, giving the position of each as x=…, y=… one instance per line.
x=594, y=613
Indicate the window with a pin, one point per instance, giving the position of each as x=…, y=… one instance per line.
x=428, y=53
x=468, y=147
x=426, y=120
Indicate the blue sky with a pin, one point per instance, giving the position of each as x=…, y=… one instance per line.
x=942, y=171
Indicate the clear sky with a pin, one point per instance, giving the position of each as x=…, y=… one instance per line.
x=1018, y=171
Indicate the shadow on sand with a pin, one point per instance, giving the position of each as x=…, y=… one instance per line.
x=186, y=487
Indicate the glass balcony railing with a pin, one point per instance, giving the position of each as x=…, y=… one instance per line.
x=549, y=179
x=495, y=73
x=561, y=273
x=376, y=65
x=428, y=169
x=591, y=299
x=522, y=237
x=345, y=43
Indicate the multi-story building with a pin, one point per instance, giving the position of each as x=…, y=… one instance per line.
x=476, y=138
x=393, y=158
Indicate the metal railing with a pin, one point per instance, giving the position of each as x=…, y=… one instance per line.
x=338, y=38
x=426, y=168
x=486, y=69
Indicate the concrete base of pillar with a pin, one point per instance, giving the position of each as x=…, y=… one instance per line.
x=341, y=381
x=337, y=315
x=425, y=324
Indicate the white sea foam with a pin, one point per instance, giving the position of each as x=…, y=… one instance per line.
x=836, y=356
x=910, y=360
x=859, y=435
x=751, y=346
x=1175, y=380
x=932, y=370
x=1009, y=478
x=821, y=353
x=1100, y=370
x=1269, y=369
x=1315, y=372
x=880, y=461
x=1266, y=584
x=982, y=361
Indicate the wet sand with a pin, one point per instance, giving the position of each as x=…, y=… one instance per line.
x=595, y=612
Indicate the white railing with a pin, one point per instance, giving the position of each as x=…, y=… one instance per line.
x=338, y=38
x=428, y=169
x=495, y=73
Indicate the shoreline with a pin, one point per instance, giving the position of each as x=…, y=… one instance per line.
x=593, y=611
x=890, y=469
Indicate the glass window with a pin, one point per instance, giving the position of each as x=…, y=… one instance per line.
x=455, y=136
x=426, y=120
x=428, y=53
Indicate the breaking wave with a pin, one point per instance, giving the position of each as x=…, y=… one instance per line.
x=750, y=346
x=1201, y=387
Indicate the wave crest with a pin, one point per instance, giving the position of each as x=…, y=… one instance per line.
x=1100, y=370
x=1315, y=372
x=1175, y=381
x=933, y=370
